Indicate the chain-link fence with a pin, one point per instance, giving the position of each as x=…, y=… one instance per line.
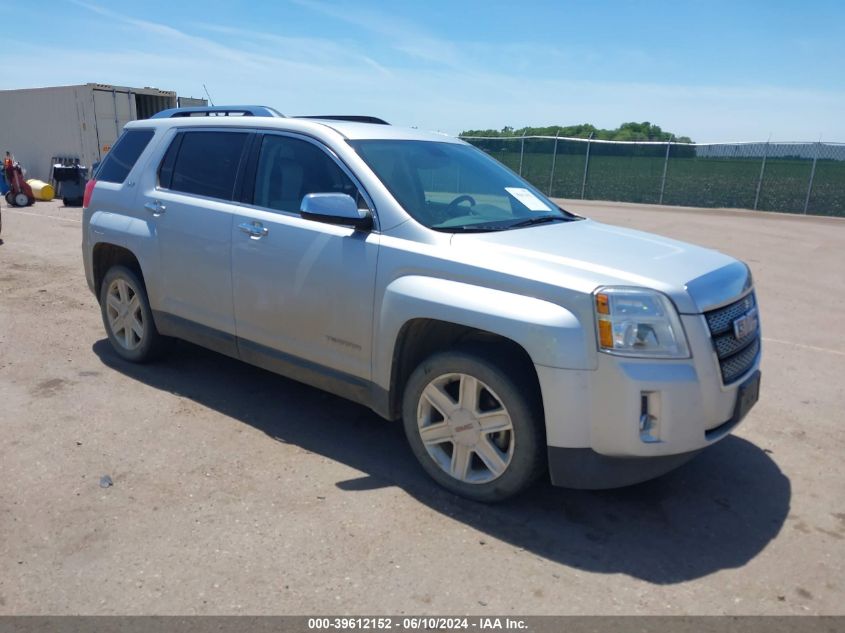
x=790, y=177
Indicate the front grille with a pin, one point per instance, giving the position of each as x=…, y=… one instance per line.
x=728, y=344
x=721, y=320
x=736, y=356
x=735, y=366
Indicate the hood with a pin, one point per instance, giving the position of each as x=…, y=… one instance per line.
x=585, y=254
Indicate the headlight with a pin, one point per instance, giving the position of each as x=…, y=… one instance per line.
x=638, y=322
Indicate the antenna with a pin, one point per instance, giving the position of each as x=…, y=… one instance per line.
x=207, y=95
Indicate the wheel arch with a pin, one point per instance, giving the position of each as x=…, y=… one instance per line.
x=421, y=315
x=105, y=255
x=419, y=338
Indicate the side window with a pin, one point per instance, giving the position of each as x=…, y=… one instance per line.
x=122, y=158
x=165, y=170
x=289, y=168
x=205, y=163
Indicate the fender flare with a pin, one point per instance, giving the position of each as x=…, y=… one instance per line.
x=132, y=234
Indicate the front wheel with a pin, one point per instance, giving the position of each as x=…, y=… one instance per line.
x=127, y=316
x=474, y=429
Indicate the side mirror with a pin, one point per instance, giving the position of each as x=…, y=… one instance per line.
x=335, y=208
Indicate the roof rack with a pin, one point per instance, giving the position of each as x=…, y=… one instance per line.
x=234, y=110
x=357, y=118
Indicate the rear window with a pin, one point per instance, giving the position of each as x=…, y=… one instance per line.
x=122, y=158
x=205, y=163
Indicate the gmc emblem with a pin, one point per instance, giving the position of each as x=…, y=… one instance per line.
x=746, y=324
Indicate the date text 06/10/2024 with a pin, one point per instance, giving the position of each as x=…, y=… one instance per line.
x=426, y=623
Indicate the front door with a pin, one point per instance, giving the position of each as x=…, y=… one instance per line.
x=303, y=290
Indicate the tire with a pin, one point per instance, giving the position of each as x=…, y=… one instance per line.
x=10, y=198
x=487, y=451
x=127, y=316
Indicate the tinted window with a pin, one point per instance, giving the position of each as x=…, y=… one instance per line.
x=290, y=168
x=165, y=170
x=122, y=157
x=207, y=163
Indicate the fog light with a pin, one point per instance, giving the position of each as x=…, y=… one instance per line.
x=650, y=416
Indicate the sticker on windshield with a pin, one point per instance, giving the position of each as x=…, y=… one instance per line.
x=527, y=198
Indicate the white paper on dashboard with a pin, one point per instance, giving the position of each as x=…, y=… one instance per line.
x=527, y=198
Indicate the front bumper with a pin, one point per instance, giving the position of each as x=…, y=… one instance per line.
x=585, y=469
x=600, y=414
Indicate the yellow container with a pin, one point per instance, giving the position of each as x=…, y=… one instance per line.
x=41, y=189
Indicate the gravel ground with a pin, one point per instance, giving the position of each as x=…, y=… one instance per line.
x=238, y=491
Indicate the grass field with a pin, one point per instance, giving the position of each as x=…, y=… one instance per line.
x=690, y=181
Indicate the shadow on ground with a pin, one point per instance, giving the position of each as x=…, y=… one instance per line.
x=717, y=512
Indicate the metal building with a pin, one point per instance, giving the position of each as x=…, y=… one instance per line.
x=74, y=122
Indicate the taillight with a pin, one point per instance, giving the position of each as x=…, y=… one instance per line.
x=89, y=189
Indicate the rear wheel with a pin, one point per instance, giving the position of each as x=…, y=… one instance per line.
x=127, y=316
x=21, y=200
x=474, y=429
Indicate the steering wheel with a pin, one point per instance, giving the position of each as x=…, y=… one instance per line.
x=462, y=198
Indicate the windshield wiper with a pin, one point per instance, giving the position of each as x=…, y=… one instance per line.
x=467, y=228
x=542, y=220
x=499, y=226
x=470, y=228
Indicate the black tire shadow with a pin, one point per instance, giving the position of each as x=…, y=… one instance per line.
x=717, y=512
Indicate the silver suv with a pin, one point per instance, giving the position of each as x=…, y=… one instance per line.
x=412, y=273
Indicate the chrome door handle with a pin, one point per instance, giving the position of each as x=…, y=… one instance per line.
x=156, y=207
x=255, y=230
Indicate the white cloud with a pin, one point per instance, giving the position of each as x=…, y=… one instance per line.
x=174, y=37
x=402, y=35
x=448, y=89
x=302, y=49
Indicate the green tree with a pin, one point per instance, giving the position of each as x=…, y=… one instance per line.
x=629, y=131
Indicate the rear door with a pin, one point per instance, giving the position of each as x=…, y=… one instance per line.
x=191, y=207
x=303, y=290
x=112, y=110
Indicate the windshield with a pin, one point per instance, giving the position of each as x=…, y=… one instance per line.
x=456, y=187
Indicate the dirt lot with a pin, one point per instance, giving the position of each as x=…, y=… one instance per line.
x=237, y=491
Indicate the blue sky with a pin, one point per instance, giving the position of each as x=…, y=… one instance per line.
x=712, y=70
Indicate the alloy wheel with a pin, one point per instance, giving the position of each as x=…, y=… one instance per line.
x=125, y=317
x=465, y=428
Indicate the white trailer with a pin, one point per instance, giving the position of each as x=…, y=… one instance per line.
x=70, y=122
